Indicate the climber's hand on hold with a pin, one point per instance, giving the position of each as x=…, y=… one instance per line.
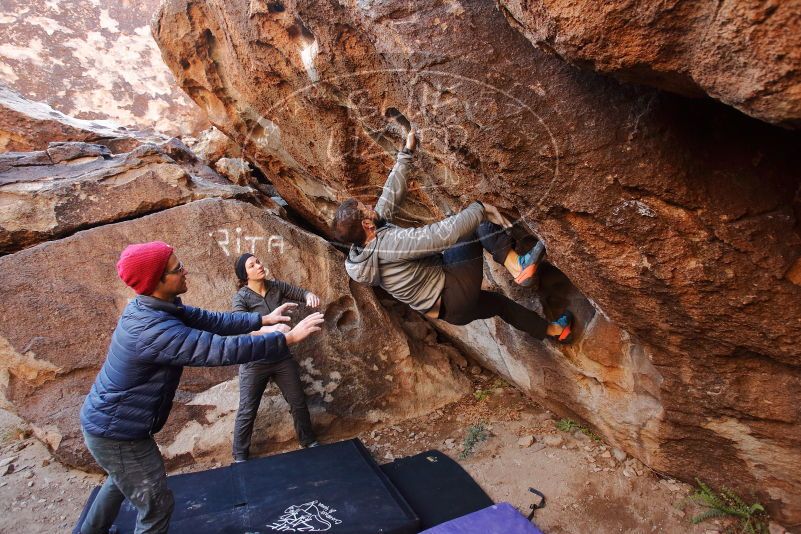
x=395, y=115
x=494, y=216
x=411, y=141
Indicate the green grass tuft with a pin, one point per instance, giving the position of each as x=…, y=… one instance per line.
x=475, y=435
x=499, y=383
x=481, y=394
x=568, y=425
x=725, y=503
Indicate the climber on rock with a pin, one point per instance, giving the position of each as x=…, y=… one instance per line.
x=438, y=269
x=132, y=395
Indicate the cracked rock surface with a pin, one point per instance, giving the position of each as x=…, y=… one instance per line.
x=72, y=186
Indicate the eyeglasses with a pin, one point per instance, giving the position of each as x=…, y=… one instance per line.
x=177, y=270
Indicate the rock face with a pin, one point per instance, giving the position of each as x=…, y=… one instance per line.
x=219, y=151
x=212, y=145
x=26, y=125
x=609, y=377
x=93, y=59
x=71, y=186
x=671, y=224
x=235, y=169
x=59, y=302
x=745, y=54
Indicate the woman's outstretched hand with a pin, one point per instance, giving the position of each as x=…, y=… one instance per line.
x=277, y=315
x=312, y=300
x=305, y=328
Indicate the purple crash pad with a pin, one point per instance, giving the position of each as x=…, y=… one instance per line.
x=500, y=518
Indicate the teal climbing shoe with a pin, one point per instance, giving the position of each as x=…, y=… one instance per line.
x=566, y=322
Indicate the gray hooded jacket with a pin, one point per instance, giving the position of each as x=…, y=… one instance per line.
x=407, y=262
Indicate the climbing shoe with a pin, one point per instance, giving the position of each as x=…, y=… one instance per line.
x=528, y=264
x=566, y=322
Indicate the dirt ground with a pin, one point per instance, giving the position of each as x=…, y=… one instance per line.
x=589, y=486
x=586, y=488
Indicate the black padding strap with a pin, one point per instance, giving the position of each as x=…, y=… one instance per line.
x=536, y=506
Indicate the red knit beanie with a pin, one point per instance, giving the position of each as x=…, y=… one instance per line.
x=141, y=265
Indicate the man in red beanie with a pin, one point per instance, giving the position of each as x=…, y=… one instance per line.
x=131, y=397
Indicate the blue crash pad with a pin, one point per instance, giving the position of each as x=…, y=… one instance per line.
x=436, y=487
x=336, y=488
x=500, y=518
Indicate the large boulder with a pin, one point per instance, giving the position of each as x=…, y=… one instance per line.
x=93, y=59
x=71, y=186
x=60, y=300
x=609, y=377
x=671, y=224
x=26, y=126
x=745, y=54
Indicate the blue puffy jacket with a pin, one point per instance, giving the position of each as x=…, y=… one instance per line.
x=133, y=392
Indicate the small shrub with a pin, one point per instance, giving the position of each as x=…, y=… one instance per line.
x=752, y=518
x=481, y=394
x=475, y=435
x=568, y=425
x=499, y=383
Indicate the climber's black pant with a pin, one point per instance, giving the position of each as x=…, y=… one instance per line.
x=253, y=379
x=463, y=300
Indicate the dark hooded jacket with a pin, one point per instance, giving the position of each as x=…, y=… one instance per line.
x=278, y=291
x=132, y=395
x=247, y=300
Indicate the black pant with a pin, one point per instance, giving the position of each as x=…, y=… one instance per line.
x=253, y=379
x=463, y=300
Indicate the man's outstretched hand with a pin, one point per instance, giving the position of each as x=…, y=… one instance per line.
x=277, y=315
x=280, y=327
x=494, y=216
x=309, y=325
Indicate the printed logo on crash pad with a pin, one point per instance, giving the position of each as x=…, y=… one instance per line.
x=312, y=516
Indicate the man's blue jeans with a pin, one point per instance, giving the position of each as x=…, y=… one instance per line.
x=463, y=300
x=136, y=472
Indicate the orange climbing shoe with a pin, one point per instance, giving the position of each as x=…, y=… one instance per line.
x=566, y=322
x=529, y=263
